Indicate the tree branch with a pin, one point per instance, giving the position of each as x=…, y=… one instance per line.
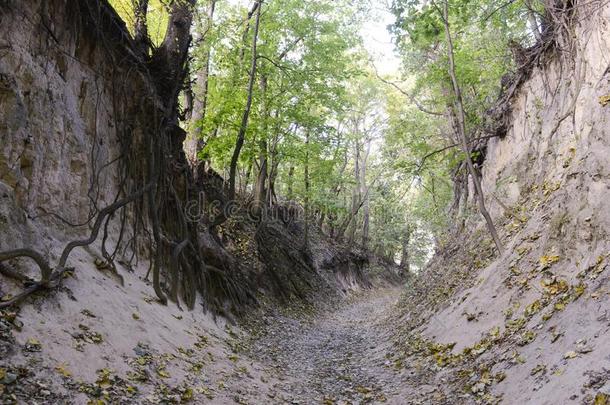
x=408, y=95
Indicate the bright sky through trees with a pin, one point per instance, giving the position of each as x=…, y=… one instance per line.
x=375, y=34
x=378, y=41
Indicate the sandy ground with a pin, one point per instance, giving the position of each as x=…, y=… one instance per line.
x=98, y=340
x=338, y=358
x=117, y=345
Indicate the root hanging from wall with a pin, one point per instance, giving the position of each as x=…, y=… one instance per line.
x=288, y=263
x=155, y=181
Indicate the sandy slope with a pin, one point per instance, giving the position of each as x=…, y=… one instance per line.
x=97, y=340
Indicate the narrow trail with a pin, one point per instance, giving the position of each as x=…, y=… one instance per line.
x=337, y=359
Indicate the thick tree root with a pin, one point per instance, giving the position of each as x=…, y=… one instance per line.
x=49, y=277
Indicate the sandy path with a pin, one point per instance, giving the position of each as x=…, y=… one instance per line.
x=337, y=359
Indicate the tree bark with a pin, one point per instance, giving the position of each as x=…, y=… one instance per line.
x=290, y=182
x=365, y=193
x=260, y=189
x=321, y=219
x=405, y=254
x=169, y=60
x=533, y=21
x=271, y=195
x=246, y=181
x=140, y=12
x=356, y=193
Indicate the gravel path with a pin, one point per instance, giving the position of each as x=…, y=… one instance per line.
x=337, y=359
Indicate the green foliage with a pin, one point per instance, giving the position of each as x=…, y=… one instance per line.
x=157, y=17
x=314, y=82
x=306, y=58
x=481, y=31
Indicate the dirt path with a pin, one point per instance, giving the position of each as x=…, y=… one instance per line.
x=337, y=359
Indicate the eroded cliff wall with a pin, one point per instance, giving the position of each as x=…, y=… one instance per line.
x=62, y=96
x=532, y=325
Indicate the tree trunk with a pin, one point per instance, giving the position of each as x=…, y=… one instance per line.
x=195, y=142
x=290, y=182
x=533, y=21
x=244, y=188
x=364, y=192
x=271, y=195
x=461, y=127
x=356, y=194
x=140, y=12
x=405, y=257
x=169, y=60
x=306, y=187
x=260, y=190
x=246, y=114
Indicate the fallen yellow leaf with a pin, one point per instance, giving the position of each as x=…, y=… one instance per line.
x=548, y=260
x=570, y=355
x=163, y=373
x=601, y=399
x=61, y=369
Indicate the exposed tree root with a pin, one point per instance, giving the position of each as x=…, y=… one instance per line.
x=50, y=277
x=156, y=180
x=289, y=265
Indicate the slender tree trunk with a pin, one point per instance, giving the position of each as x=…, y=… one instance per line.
x=248, y=175
x=195, y=142
x=246, y=114
x=338, y=187
x=306, y=187
x=260, y=190
x=348, y=220
x=533, y=21
x=244, y=36
x=274, y=164
x=271, y=195
x=364, y=192
x=356, y=194
x=365, y=222
x=463, y=207
x=321, y=219
x=461, y=126
x=290, y=182
x=404, y=257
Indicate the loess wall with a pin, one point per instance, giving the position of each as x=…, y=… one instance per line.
x=56, y=117
x=70, y=99
x=538, y=315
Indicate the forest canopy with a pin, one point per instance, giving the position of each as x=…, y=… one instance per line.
x=286, y=102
